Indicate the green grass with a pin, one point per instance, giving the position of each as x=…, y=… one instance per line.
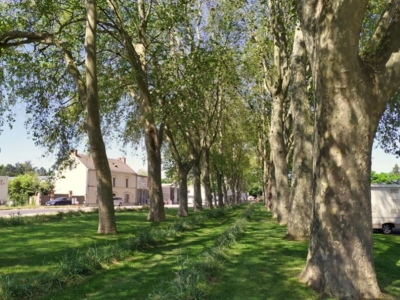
x=137, y=277
x=261, y=265
x=264, y=265
x=38, y=247
x=387, y=263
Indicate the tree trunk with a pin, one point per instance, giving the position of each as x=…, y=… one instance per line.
x=273, y=200
x=238, y=192
x=226, y=198
x=107, y=223
x=136, y=56
x=301, y=195
x=340, y=259
x=183, y=166
x=278, y=152
x=206, y=178
x=183, y=193
x=219, y=190
x=265, y=176
x=233, y=193
x=350, y=95
x=156, y=211
x=197, y=200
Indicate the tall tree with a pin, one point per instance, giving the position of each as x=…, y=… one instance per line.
x=107, y=223
x=301, y=186
x=352, y=89
x=136, y=49
x=55, y=31
x=277, y=84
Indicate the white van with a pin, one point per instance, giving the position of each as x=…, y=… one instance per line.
x=385, y=201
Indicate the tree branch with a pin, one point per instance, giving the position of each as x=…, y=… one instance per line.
x=383, y=24
x=386, y=57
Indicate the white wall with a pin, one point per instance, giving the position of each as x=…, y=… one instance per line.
x=74, y=179
x=120, y=189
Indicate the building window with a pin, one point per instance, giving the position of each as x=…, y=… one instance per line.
x=113, y=181
x=126, y=198
x=126, y=182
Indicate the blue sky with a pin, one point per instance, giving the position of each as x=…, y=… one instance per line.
x=16, y=146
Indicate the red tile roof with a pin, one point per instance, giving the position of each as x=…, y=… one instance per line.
x=116, y=165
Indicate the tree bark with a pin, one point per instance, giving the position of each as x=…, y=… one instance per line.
x=107, y=223
x=183, y=194
x=340, y=259
x=206, y=178
x=278, y=152
x=301, y=195
x=197, y=200
x=154, y=161
x=265, y=176
x=219, y=190
x=273, y=200
x=238, y=192
x=183, y=166
x=233, y=195
x=351, y=95
x=226, y=198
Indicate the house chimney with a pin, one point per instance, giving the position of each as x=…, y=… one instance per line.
x=123, y=159
x=75, y=152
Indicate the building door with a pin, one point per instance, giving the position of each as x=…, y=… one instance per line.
x=126, y=200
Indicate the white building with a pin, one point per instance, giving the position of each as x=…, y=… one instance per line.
x=79, y=179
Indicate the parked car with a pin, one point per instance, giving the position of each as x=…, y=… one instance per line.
x=59, y=201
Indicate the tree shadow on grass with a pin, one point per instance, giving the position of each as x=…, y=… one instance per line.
x=137, y=277
x=158, y=262
x=263, y=265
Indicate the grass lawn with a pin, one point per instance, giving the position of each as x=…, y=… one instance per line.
x=261, y=265
x=38, y=247
x=264, y=265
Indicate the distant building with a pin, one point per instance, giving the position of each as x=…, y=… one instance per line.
x=79, y=181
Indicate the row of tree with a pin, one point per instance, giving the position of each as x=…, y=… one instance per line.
x=161, y=87
x=22, y=168
x=221, y=82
